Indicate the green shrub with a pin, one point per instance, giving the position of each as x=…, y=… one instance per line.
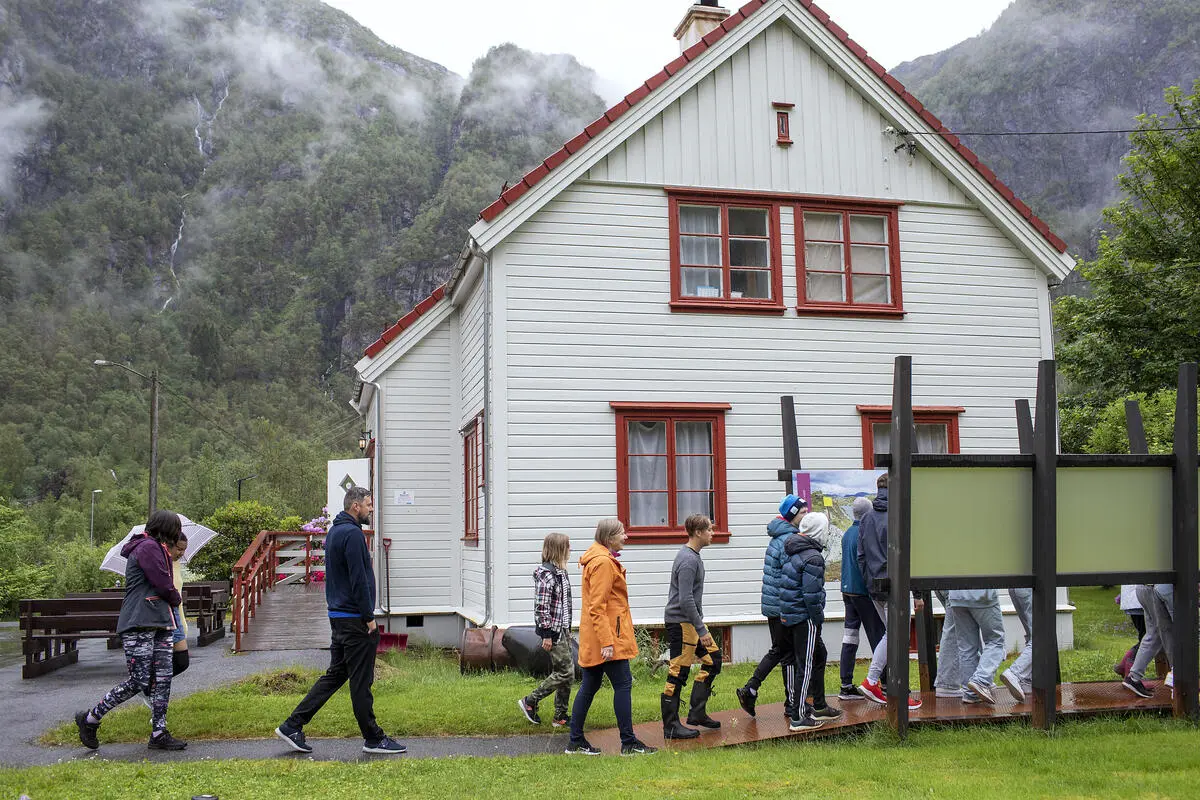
x=236, y=525
x=21, y=582
x=76, y=568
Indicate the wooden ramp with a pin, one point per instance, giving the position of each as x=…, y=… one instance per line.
x=291, y=617
x=737, y=727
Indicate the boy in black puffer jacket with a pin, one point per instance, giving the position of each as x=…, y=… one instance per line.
x=802, y=611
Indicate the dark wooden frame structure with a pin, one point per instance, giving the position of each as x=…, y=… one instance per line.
x=1039, y=452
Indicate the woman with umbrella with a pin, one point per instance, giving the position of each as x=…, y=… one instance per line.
x=145, y=626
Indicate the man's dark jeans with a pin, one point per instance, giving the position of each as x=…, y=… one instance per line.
x=352, y=656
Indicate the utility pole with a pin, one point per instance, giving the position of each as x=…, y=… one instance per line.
x=153, y=441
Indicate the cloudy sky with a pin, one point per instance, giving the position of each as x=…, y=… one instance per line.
x=626, y=42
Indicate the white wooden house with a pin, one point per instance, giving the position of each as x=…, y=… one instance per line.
x=771, y=214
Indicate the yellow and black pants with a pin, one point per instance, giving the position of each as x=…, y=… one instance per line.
x=686, y=650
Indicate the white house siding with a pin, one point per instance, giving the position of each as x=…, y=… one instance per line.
x=587, y=288
x=418, y=396
x=721, y=133
x=470, y=380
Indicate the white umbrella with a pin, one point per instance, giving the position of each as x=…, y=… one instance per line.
x=197, y=536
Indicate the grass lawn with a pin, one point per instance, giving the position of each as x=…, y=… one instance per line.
x=421, y=693
x=1138, y=757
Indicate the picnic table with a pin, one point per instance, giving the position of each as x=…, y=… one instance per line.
x=51, y=628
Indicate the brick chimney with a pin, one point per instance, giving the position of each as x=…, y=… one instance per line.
x=698, y=22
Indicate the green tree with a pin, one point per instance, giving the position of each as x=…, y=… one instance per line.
x=1142, y=318
x=236, y=525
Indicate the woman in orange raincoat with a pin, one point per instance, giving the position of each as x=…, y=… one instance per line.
x=606, y=640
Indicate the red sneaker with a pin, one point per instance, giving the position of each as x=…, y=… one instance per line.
x=872, y=691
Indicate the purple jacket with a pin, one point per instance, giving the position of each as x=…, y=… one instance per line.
x=149, y=587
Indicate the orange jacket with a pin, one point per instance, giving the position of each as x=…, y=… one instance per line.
x=604, y=620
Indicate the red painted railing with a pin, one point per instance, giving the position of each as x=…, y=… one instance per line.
x=258, y=571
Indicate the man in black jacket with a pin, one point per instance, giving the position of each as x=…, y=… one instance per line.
x=350, y=595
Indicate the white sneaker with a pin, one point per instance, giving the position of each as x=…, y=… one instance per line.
x=947, y=692
x=1014, y=686
x=984, y=692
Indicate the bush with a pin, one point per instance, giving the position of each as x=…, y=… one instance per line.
x=76, y=568
x=21, y=582
x=236, y=525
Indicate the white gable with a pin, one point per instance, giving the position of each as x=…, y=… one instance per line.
x=721, y=133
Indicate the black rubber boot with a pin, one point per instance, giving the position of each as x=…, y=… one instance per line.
x=672, y=727
x=698, y=714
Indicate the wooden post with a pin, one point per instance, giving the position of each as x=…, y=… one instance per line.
x=1045, y=551
x=1185, y=546
x=1024, y=427
x=899, y=537
x=1135, y=428
x=926, y=641
x=791, y=443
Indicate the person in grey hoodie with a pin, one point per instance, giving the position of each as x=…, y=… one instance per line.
x=145, y=626
x=689, y=639
x=779, y=529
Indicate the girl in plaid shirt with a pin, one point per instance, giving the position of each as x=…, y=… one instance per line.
x=552, y=621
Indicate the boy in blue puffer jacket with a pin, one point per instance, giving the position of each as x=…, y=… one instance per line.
x=802, y=612
x=779, y=529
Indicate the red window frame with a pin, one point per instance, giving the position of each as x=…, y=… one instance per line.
x=725, y=201
x=473, y=477
x=671, y=413
x=922, y=415
x=890, y=211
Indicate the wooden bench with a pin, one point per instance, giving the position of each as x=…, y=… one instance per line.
x=51, y=629
x=206, y=601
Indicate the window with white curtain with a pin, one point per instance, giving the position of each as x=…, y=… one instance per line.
x=670, y=465
x=935, y=428
x=847, y=258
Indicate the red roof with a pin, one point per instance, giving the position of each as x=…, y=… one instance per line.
x=509, y=196
x=406, y=321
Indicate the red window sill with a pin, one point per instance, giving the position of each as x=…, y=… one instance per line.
x=850, y=310
x=727, y=306
x=668, y=537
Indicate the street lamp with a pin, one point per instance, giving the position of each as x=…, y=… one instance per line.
x=240, y=481
x=153, y=378
x=92, y=524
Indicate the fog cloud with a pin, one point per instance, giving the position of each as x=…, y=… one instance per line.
x=21, y=120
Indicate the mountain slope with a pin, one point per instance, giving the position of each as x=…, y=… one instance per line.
x=1061, y=65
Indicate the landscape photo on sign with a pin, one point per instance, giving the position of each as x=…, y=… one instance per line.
x=833, y=491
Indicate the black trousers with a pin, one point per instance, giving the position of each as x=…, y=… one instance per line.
x=860, y=614
x=352, y=657
x=808, y=652
x=780, y=653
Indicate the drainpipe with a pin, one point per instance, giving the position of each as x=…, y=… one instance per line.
x=487, y=431
x=377, y=487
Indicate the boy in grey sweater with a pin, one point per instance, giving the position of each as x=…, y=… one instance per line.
x=689, y=639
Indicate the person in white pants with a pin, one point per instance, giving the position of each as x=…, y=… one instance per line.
x=1019, y=675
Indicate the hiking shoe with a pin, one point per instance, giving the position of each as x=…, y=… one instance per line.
x=955, y=694
x=826, y=712
x=165, y=741
x=872, y=691
x=561, y=722
x=983, y=691
x=1013, y=685
x=1135, y=686
x=529, y=710
x=638, y=748
x=582, y=748
x=294, y=737
x=747, y=699
x=806, y=723
x=386, y=746
x=849, y=692
x=87, y=731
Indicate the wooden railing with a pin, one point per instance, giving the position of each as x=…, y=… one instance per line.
x=253, y=575
x=260, y=569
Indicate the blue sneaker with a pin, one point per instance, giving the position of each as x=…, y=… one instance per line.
x=294, y=737
x=386, y=746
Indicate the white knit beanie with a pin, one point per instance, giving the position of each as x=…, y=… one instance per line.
x=813, y=525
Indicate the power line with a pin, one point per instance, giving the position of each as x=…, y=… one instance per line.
x=1051, y=133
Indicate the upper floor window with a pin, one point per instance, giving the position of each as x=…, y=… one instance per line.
x=725, y=253
x=936, y=429
x=670, y=465
x=848, y=259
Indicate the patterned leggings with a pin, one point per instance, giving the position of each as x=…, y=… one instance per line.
x=148, y=655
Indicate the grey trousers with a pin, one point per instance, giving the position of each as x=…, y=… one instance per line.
x=979, y=663
x=1158, y=602
x=949, y=666
x=1022, y=668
